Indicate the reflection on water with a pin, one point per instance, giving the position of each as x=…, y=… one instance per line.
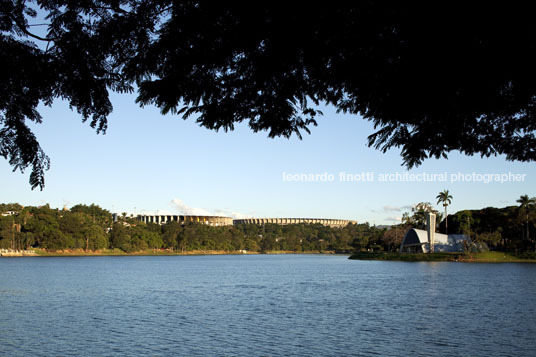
x=264, y=305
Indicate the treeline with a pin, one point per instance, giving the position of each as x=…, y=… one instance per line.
x=510, y=228
x=250, y=237
x=92, y=228
x=81, y=227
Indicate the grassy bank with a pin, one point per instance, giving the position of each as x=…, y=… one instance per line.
x=486, y=257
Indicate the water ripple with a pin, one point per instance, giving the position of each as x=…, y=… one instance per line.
x=264, y=305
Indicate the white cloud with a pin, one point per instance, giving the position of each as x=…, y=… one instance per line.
x=394, y=219
x=390, y=208
x=237, y=215
x=187, y=210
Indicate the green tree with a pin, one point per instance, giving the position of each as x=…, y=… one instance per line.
x=490, y=238
x=417, y=218
x=6, y=232
x=392, y=238
x=341, y=240
x=73, y=226
x=446, y=198
x=13, y=207
x=526, y=204
x=120, y=238
x=363, y=235
x=153, y=240
x=170, y=234
x=95, y=237
x=466, y=221
x=268, y=243
x=188, y=238
x=252, y=245
x=48, y=228
x=406, y=219
x=57, y=240
x=99, y=215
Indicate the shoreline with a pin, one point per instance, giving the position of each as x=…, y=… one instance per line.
x=37, y=252
x=484, y=257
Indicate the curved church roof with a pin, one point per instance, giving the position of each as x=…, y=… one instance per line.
x=442, y=242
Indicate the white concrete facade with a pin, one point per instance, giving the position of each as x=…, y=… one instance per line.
x=417, y=241
x=283, y=221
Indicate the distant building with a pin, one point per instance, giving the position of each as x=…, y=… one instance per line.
x=10, y=213
x=228, y=221
x=283, y=221
x=417, y=241
x=208, y=220
x=428, y=241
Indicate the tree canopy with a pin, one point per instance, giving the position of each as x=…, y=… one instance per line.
x=91, y=228
x=431, y=80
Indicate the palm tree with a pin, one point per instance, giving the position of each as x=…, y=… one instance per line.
x=525, y=204
x=446, y=199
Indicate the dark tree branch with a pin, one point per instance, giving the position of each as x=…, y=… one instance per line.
x=28, y=33
x=429, y=84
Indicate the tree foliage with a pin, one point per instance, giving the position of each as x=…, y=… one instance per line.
x=89, y=228
x=417, y=219
x=500, y=228
x=461, y=78
x=526, y=208
x=445, y=198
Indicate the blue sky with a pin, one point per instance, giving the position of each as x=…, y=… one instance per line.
x=146, y=161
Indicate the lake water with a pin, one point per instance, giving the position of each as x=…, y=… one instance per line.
x=264, y=305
